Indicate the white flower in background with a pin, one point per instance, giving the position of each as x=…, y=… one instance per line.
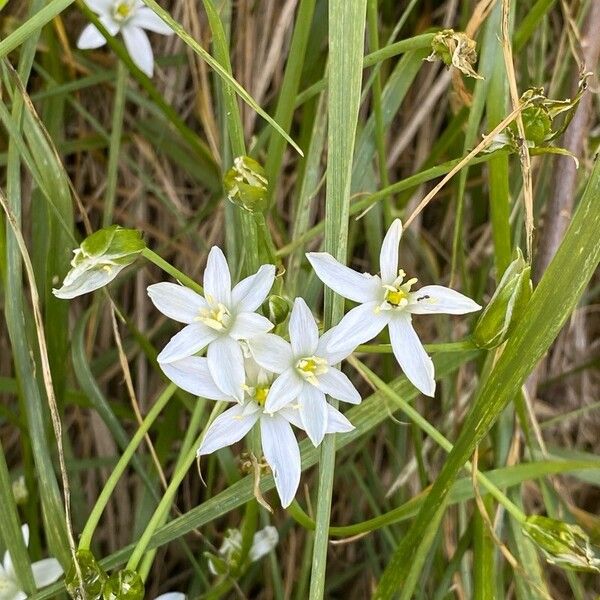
x=388, y=300
x=307, y=374
x=130, y=18
x=279, y=444
x=45, y=572
x=263, y=542
x=218, y=320
x=171, y=596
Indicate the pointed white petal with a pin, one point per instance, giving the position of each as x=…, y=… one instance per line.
x=248, y=325
x=192, y=375
x=171, y=596
x=358, y=326
x=226, y=365
x=176, y=301
x=46, y=571
x=281, y=451
x=251, y=292
x=337, y=422
x=263, y=542
x=90, y=38
x=86, y=281
x=191, y=339
x=217, y=280
x=313, y=413
x=388, y=257
x=304, y=333
x=139, y=48
x=227, y=429
x=109, y=22
x=411, y=355
x=440, y=299
x=102, y=7
x=18, y=595
x=146, y=18
x=7, y=565
x=344, y=280
x=284, y=390
x=337, y=385
x=291, y=413
x=271, y=352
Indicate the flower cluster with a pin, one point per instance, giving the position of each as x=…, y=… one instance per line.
x=277, y=383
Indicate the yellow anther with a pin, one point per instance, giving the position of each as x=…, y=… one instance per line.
x=122, y=10
x=216, y=317
x=311, y=367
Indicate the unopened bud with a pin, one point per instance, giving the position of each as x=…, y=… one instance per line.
x=563, y=544
x=504, y=310
x=92, y=575
x=124, y=585
x=99, y=259
x=19, y=489
x=246, y=184
x=279, y=309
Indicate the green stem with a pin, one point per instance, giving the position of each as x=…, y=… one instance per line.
x=460, y=346
x=109, y=487
x=171, y=270
x=436, y=436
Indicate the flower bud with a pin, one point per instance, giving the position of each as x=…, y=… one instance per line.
x=279, y=309
x=563, y=544
x=19, y=490
x=504, y=310
x=124, y=585
x=93, y=577
x=455, y=49
x=246, y=184
x=99, y=259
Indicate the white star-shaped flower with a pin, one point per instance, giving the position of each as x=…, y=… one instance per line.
x=219, y=320
x=388, y=300
x=279, y=444
x=45, y=572
x=131, y=18
x=307, y=374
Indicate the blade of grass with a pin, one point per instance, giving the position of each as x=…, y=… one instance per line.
x=346, y=47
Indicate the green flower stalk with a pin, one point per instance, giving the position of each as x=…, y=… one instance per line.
x=246, y=184
x=99, y=259
x=563, y=544
x=503, y=312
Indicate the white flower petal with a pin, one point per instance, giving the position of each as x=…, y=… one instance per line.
x=146, y=18
x=18, y=595
x=292, y=414
x=337, y=422
x=227, y=429
x=263, y=542
x=176, y=301
x=251, y=292
x=192, y=375
x=139, y=48
x=191, y=339
x=271, y=352
x=102, y=7
x=217, y=279
x=388, y=256
x=171, y=596
x=440, y=299
x=281, y=451
x=113, y=27
x=248, y=325
x=304, y=333
x=284, y=390
x=87, y=281
x=46, y=571
x=313, y=412
x=358, y=326
x=90, y=38
x=337, y=385
x=344, y=280
x=411, y=355
x=25, y=533
x=226, y=365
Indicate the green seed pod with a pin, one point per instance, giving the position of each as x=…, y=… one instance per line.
x=279, y=309
x=563, y=544
x=124, y=585
x=504, y=310
x=92, y=576
x=99, y=259
x=246, y=184
x=455, y=49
